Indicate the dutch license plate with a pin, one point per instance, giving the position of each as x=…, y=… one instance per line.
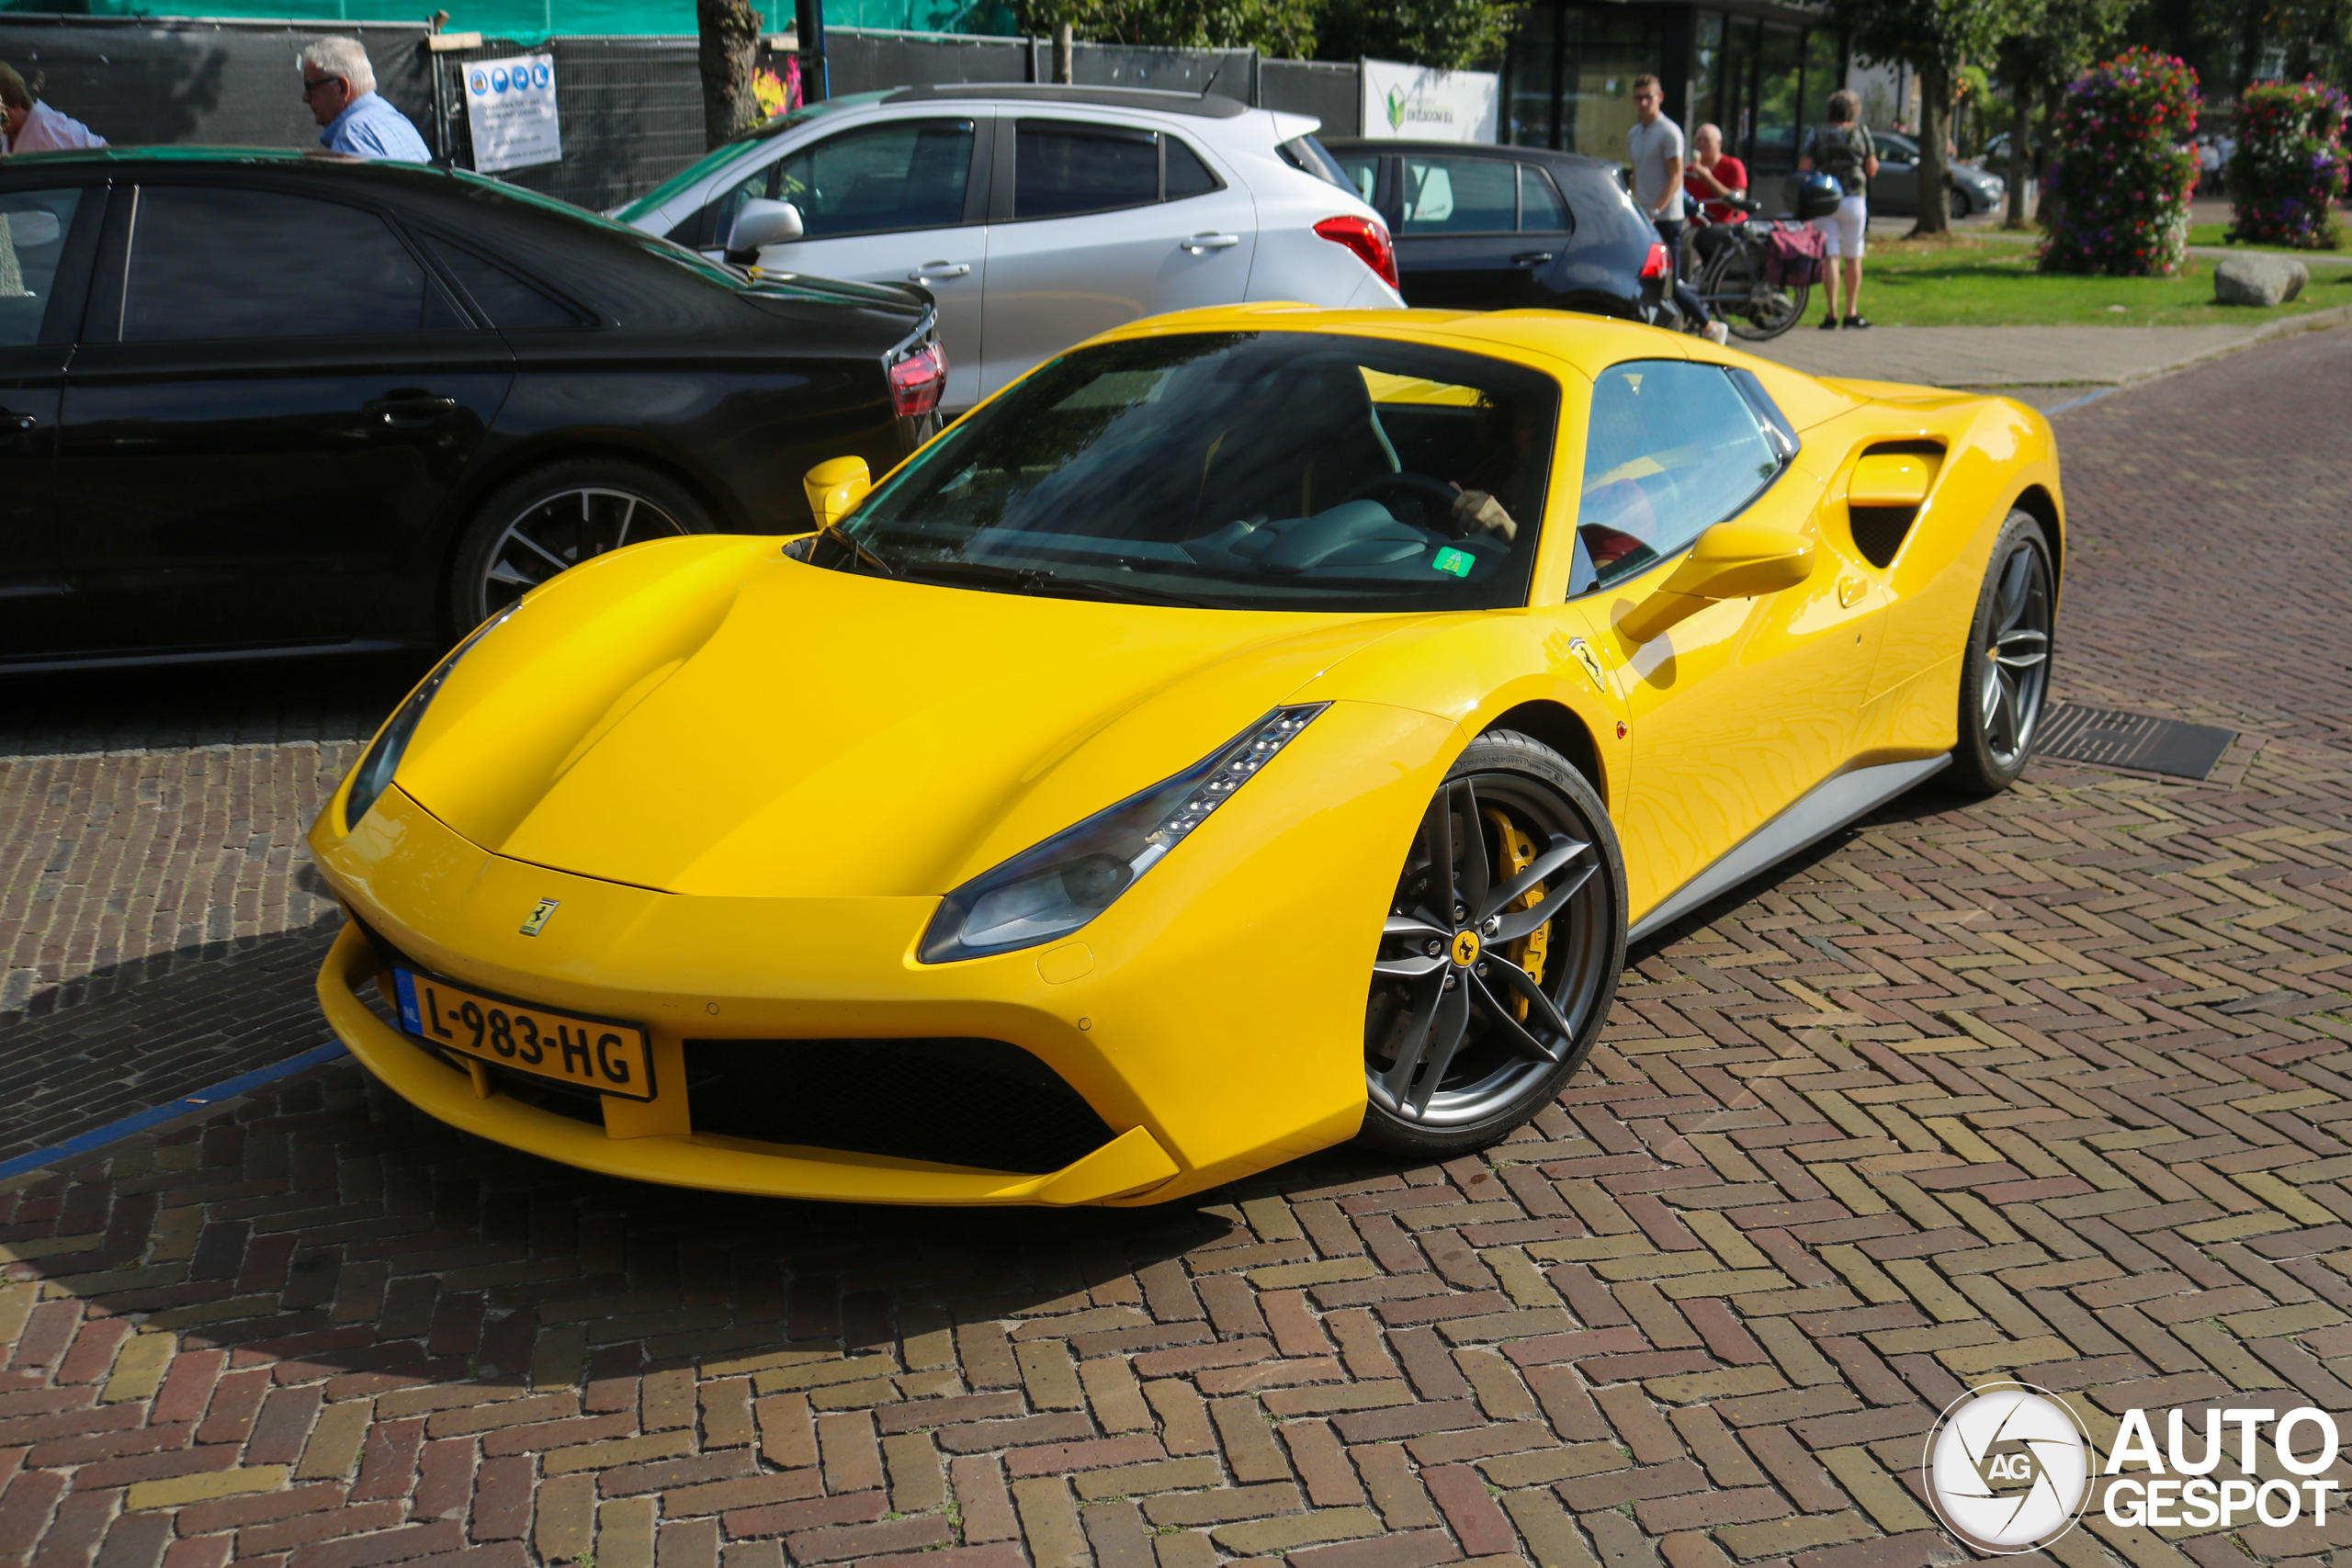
x=590, y=1053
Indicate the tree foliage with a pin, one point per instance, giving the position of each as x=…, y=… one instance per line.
x=2049, y=43
x=1935, y=37
x=1447, y=34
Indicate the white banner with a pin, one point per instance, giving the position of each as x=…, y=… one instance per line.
x=510, y=107
x=1409, y=103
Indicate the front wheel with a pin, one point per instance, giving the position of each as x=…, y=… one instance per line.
x=1499, y=954
x=1959, y=208
x=2005, y=674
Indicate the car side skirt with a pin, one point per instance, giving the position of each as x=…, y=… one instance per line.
x=1815, y=814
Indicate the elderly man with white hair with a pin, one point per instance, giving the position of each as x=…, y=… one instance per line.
x=339, y=86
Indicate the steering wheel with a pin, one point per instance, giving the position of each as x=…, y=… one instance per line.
x=1436, y=494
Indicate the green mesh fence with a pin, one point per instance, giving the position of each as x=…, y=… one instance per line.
x=529, y=21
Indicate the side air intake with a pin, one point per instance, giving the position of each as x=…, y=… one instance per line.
x=1891, y=482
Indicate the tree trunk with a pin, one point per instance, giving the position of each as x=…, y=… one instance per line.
x=729, y=53
x=1935, y=120
x=1065, y=54
x=2020, y=153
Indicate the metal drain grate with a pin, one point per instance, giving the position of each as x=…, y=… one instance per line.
x=2130, y=741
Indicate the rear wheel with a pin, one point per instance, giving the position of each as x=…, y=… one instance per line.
x=1733, y=287
x=552, y=519
x=1499, y=956
x=2005, y=675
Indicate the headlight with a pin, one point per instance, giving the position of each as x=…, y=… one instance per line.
x=1059, y=885
x=383, y=759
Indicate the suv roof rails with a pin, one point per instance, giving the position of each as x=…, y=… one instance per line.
x=1205, y=106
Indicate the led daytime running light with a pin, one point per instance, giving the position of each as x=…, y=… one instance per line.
x=1057, y=886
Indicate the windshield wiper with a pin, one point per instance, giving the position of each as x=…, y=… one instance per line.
x=858, y=552
x=1035, y=580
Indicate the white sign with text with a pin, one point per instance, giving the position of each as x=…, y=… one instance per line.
x=510, y=107
x=1409, y=103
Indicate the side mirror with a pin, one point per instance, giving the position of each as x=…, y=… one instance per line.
x=762, y=222
x=836, y=487
x=1731, y=561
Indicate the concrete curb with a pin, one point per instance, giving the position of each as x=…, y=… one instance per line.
x=2290, y=326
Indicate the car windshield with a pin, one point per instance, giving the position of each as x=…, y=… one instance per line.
x=1244, y=470
x=728, y=151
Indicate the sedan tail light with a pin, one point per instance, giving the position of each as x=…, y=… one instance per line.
x=1369, y=238
x=917, y=380
x=1655, y=266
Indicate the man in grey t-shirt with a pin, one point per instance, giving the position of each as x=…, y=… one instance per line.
x=1655, y=145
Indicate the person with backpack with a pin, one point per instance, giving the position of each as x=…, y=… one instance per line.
x=1842, y=149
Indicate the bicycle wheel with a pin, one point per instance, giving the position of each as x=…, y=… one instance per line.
x=1735, y=289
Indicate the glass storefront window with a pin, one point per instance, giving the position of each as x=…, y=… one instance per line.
x=1530, y=79
x=1780, y=78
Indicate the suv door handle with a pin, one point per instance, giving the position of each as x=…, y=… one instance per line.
x=930, y=270
x=1200, y=242
x=1531, y=258
x=410, y=407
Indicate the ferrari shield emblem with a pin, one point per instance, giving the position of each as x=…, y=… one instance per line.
x=537, y=922
x=1582, y=652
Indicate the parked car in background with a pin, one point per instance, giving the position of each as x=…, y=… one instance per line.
x=305, y=405
x=1491, y=227
x=1037, y=215
x=1969, y=188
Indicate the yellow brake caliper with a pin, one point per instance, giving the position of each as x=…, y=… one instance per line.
x=1519, y=853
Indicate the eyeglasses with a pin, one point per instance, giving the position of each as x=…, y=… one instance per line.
x=312, y=85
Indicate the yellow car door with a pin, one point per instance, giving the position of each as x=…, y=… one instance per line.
x=1738, y=709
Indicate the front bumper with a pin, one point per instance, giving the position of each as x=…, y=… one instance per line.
x=1212, y=1018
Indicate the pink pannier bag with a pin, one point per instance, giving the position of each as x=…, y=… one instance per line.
x=1794, y=253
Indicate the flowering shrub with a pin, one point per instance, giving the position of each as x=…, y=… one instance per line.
x=2288, y=168
x=2117, y=199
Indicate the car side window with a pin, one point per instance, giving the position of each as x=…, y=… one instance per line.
x=33, y=226
x=905, y=173
x=1541, y=210
x=1060, y=168
x=209, y=262
x=706, y=229
x=1363, y=170
x=1673, y=448
x=506, y=300
x=1187, y=176
x=1460, y=195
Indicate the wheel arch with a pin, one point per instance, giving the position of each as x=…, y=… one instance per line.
x=1562, y=729
x=2038, y=504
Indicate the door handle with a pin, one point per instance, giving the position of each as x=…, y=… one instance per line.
x=410, y=407
x=930, y=270
x=1200, y=242
x=1850, y=591
x=1531, y=258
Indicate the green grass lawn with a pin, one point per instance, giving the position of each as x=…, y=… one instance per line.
x=1988, y=283
x=2214, y=234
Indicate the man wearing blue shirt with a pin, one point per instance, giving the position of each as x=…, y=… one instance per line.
x=339, y=86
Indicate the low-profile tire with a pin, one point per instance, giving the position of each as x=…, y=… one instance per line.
x=553, y=518
x=2005, y=674
x=1464, y=1043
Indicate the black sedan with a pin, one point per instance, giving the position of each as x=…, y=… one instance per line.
x=1495, y=228
x=255, y=403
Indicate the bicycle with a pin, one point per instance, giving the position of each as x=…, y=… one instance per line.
x=1733, y=282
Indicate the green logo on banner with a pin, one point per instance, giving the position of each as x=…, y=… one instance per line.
x=1395, y=110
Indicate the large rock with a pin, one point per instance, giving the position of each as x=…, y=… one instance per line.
x=2257, y=279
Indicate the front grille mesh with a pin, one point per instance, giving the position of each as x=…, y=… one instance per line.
x=983, y=1103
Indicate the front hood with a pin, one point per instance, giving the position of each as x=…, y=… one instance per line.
x=702, y=716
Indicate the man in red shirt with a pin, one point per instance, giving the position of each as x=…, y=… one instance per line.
x=1711, y=175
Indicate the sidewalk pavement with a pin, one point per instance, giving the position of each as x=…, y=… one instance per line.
x=1986, y=358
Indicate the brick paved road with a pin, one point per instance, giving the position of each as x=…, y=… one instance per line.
x=2043, y=1084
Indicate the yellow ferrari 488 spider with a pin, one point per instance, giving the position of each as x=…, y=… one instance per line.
x=1255, y=729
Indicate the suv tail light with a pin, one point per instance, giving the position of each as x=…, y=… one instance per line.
x=917, y=380
x=1369, y=238
x=1655, y=264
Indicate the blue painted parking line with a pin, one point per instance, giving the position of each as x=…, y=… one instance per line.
x=2078, y=402
x=99, y=1137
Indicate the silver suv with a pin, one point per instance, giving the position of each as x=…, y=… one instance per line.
x=1037, y=215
